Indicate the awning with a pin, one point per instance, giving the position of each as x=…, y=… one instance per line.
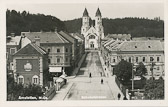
x=55, y=69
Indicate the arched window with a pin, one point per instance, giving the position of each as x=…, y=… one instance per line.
x=91, y=37
x=20, y=79
x=35, y=79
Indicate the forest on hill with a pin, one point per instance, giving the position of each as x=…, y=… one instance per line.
x=18, y=22
x=137, y=27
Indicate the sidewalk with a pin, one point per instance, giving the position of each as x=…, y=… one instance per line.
x=75, y=71
x=61, y=94
x=111, y=80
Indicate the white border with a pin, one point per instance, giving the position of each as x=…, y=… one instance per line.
x=5, y=103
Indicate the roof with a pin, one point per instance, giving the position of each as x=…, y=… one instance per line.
x=46, y=37
x=119, y=36
x=148, y=45
x=67, y=36
x=13, y=40
x=31, y=49
x=98, y=13
x=78, y=36
x=85, y=13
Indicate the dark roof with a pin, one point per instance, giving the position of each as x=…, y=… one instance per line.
x=67, y=36
x=98, y=13
x=31, y=49
x=46, y=37
x=85, y=13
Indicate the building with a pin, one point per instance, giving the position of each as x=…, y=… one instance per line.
x=59, y=50
x=147, y=51
x=80, y=45
x=13, y=44
x=74, y=42
x=94, y=33
x=31, y=65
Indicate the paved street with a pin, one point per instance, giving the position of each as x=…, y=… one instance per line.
x=85, y=88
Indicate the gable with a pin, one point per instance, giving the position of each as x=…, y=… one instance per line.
x=29, y=50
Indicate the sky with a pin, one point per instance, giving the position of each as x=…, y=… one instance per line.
x=69, y=11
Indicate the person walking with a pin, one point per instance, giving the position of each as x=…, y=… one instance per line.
x=119, y=96
x=101, y=81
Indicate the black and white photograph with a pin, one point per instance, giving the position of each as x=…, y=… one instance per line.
x=91, y=52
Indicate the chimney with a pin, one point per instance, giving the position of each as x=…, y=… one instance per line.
x=37, y=40
x=12, y=34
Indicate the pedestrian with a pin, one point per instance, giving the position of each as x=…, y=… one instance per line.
x=101, y=81
x=119, y=96
x=90, y=75
x=125, y=98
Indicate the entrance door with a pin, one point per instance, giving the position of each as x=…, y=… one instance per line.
x=91, y=45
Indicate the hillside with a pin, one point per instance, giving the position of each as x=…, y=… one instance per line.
x=18, y=22
x=137, y=27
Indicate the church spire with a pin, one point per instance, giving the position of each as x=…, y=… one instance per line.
x=98, y=13
x=85, y=13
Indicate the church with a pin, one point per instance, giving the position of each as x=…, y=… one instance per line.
x=93, y=32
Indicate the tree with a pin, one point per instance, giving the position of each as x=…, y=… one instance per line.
x=154, y=89
x=141, y=70
x=123, y=71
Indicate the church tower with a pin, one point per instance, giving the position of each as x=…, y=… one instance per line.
x=98, y=24
x=85, y=22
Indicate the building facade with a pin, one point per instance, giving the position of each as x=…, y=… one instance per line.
x=31, y=65
x=59, y=50
x=94, y=33
x=147, y=52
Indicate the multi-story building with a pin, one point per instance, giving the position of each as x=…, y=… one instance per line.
x=94, y=33
x=31, y=65
x=59, y=50
x=148, y=52
x=74, y=42
x=13, y=44
x=80, y=45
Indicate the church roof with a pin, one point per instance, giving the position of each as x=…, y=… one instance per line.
x=98, y=13
x=85, y=13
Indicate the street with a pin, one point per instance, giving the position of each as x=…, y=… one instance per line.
x=85, y=88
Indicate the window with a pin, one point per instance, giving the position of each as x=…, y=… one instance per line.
x=129, y=59
x=151, y=59
x=49, y=61
x=135, y=46
x=143, y=59
x=149, y=46
x=66, y=50
x=58, y=50
x=91, y=37
x=49, y=50
x=158, y=68
x=35, y=79
x=58, y=60
x=12, y=50
x=114, y=60
x=66, y=59
x=20, y=79
x=136, y=59
x=158, y=59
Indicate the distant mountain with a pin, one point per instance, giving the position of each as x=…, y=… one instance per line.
x=137, y=27
x=18, y=22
